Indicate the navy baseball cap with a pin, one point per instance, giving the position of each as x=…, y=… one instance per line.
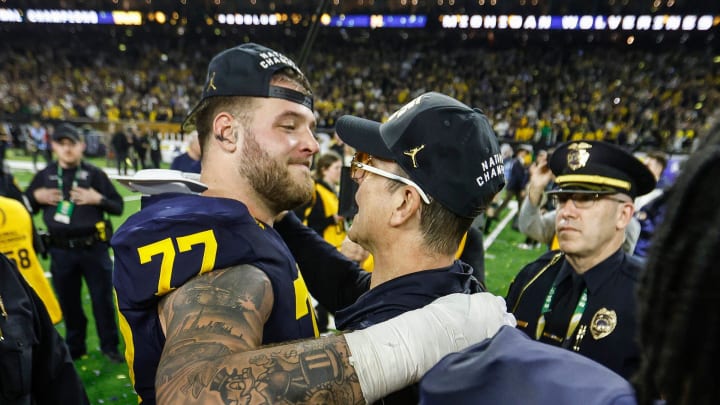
x=246, y=70
x=446, y=147
x=67, y=131
x=595, y=167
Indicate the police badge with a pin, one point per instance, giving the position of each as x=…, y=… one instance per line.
x=578, y=155
x=603, y=323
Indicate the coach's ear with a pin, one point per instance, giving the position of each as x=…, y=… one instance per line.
x=223, y=132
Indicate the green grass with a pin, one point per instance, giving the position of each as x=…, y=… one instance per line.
x=109, y=383
x=503, y=260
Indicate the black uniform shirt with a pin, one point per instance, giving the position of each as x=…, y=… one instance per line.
x=607, y=329
x=84, y=217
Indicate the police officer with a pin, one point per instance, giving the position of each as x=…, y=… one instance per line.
x=35, y=366
x=74, y=196
x=581, y=297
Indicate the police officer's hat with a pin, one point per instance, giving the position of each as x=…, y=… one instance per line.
x=67, y=131
x=599, y=168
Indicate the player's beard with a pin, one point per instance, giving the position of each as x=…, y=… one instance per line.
x=271, y=179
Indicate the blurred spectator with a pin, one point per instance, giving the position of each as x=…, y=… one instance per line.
x=131, y=136
x=141, y=144
x=39, y=144
x=189, y=161
x=121, y=146
x=540, y=180
x=656, y=161
x=338, y=146
x=321, y=213
x=154, y=144
x=651, y=206
x=507, y=154
x=515, y=184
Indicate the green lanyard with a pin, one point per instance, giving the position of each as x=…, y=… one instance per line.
x=574, y=321
x=65, y=208
x=60, y=179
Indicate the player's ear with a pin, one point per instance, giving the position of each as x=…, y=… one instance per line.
x=223, y=132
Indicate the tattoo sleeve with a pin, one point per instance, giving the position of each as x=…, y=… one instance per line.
x=213, y=354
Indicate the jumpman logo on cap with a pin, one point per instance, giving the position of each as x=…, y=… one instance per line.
x=412, y=153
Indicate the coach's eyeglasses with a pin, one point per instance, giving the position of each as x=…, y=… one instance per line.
x=361, y=161
x=582, y=200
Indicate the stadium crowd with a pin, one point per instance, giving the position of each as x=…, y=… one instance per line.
x=540, y=94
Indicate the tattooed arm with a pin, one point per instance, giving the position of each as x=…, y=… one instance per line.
x=212, y=355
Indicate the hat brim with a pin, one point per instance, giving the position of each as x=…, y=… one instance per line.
x=189, y=124
x=158, y=181
x=363, y=135
x=580, y=191
x=58, y=138
x=583, y=189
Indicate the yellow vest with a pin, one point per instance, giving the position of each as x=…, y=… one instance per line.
x=333, y=234
x=16, y=242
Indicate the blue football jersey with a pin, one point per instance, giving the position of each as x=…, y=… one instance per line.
x=176, y=237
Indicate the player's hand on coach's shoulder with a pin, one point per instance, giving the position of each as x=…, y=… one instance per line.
x=472, y=317
x=396, y=353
